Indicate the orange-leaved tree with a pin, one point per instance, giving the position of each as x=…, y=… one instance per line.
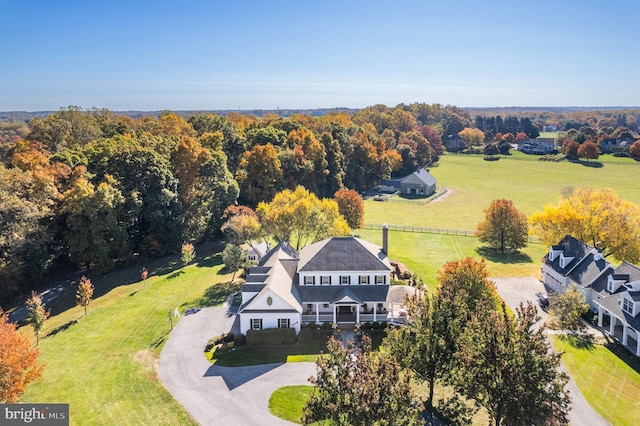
x=84, y=294
x=351, y=206
x=18, y=361
x=504, y=228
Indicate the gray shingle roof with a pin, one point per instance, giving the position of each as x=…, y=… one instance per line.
x=612, y=304
x=343, y=254
x=325, y=294
x=631, y=271
x=572, y=247
x=588, y=269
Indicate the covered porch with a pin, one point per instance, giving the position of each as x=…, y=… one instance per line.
x=622, y=327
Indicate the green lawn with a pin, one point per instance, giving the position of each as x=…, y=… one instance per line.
x=609, y=378
x=267, y=354
x=104, y=364
x=473, y=183
x=425, y=254
x=288, y=402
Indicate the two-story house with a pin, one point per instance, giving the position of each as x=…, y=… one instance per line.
x=342, y=280
x=621, y=303
x=573, y=262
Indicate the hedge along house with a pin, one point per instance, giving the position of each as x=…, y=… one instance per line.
x=341, y=280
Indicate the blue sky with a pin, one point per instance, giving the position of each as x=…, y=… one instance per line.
x=153, y=55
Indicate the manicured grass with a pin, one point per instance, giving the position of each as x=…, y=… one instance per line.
x=529, y=183
x=268, y=354
x=288, y=402
x=425, y=254
x=104, y=365
x=608, y=378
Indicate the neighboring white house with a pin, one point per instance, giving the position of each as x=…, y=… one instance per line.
x=621, y=303
x=609, y=291
x=342, y=280
x=420, y=182
x=573, y=262
x=256, y=251
x=538, y=146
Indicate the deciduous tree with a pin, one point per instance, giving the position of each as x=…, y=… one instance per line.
x=299, y=217
x=566, y=309
x=597, y=217
x=588, y=150
x=187, y=253
x=472, y=136
x=351, y=207
x=507, y=367
x=84, y=293
x=36, y=314
x=233, y=257
x=260, y=174
x=634, y=149
x=18, y=362
x=504, y=228
x=358, y=386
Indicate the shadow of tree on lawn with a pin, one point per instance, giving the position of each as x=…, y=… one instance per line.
x=509, y=257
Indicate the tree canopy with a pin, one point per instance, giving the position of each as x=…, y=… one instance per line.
x=597, y=217
x=504, y=228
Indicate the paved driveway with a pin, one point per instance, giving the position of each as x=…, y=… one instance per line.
x=520, y=290
x=221, y=395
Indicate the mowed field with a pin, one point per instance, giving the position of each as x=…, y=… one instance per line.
x=104, y=365
x=473, y=183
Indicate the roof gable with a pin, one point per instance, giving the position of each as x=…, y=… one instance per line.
x=420, y=176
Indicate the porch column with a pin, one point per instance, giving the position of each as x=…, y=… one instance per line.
x=334, y=314
x=317, y=313
x=357, y=314
x=600, y=315
x=612, y=325
x=624, y=334
x=375, y=311
x=393, y=305
x=637, y=344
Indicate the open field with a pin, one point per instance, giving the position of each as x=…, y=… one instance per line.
x=104, y=364
x=529, y=183
x=610, y=385
x=425, y=254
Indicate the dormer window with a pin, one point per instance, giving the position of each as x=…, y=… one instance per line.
x=610, y=284
x=627, y=306
x=565, y=260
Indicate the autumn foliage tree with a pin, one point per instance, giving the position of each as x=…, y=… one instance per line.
x=18, y=361
x=634, y=150
x=567, y=309
x=588, y=150
x=351, y=206
x=595, y=216
x=84, y=293
x=504, y=228
x=507, y=367
x=472, y=136
x=37, y=315
x=299, y=217
x=356, y=386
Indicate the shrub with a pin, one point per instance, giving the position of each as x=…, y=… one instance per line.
x=366, y=326
x=376, y=325
x=326, y=325
x=239, y=339
x=255, y=337
x=305, y=336
x=228, y=337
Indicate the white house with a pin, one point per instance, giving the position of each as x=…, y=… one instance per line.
x=342, y=280
x=621, y=303
x=256, y=251
x=538, y=146
x=420, y=182
x=573, y=262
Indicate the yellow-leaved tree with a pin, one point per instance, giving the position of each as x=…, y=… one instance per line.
x=300, y=217
x=597, y=217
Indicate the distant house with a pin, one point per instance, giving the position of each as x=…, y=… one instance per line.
x=341, y=280
x=420, y=182
x=453, y=143
x=607, y=144
x=538, y=146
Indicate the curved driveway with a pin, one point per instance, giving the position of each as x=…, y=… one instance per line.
x=520, y=290
x=221, y=395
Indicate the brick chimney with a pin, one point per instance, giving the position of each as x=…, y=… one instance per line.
x=385, y=239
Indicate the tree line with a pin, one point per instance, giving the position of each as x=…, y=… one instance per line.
x=95, y=190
